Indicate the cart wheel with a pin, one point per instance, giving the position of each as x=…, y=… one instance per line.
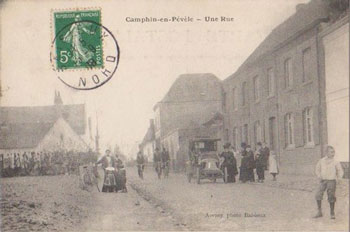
x=198, y=176
x=225, y=175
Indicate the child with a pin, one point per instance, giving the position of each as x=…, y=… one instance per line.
x=273, y=166
x=328, y=170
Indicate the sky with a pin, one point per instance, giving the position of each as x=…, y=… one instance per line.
x=152, y=55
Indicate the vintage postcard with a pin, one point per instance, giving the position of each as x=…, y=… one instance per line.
x=196, y=115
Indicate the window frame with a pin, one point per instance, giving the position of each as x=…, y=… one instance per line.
x=306, y=79
x=245, y=132
x=308, y=127
x=256, y=88
x=289, y=130
x=288, y=84
x=234, y=98
x=257, y=136
x=271, y=83
x=244, y=93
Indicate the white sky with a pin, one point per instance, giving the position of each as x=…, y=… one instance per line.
x=153, y=55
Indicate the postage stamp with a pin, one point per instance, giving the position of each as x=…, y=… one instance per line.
x=80, y=42
x=84, y=53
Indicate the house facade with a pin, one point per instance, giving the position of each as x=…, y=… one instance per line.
x=43, y=128
x=335, y=43
x=277, y=95
x=147, y=145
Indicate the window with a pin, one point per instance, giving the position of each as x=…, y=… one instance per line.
x=257, y=132
x=308, y=127
x=235, y=137
x=234, y=99
x=245, y=133
x=288, y=73
x=270, y=82
x=244, y=93
x=256, y=88
x=289, y=129
x=307, y=67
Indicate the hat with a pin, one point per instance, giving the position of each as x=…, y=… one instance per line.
x=227, y=145
x=259, y=144
x=243, y=145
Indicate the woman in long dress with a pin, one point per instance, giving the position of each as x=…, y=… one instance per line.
x=273, y=164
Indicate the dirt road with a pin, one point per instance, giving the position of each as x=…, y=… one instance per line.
x=56, y=203
x=127, y=211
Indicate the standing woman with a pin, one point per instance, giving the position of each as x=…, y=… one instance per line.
x=273, y=164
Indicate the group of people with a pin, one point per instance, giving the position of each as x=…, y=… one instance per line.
x=162, y=158
x=261, y=159
x=43, y=163
x=112, y=160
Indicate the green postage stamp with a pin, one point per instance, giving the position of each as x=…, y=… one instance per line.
x=84, y=53
x=78, y=40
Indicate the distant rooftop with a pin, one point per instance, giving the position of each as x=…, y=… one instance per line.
x=24, y=127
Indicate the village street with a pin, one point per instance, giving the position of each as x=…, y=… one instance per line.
x=56, y=203
x=219, y=206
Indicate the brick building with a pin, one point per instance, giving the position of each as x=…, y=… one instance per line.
x=278, y=94
x=192, y=100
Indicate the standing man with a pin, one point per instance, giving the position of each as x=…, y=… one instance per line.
x=243, y=173
x=260, y=163
x=140, y=160
x=265, y=151
x=328, y=171
x=120, y=173
x=156, y=159
x=229, y=163
x=251, y=164
x=165, y=161
x=107, y=160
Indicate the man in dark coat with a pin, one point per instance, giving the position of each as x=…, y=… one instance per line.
x=260, y=163
x=265, y=151
x=107, y=160
x=250, y=164
x=243, y=174
x=229, y=163
x=140, y=160
x=165, y=156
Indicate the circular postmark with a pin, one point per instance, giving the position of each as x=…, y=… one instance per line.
x=84, y=54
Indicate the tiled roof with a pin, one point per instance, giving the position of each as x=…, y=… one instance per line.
x=24, y=127
x=193, y=87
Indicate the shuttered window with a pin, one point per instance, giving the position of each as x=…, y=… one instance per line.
x=289, y=130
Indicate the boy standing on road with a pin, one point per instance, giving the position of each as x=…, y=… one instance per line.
x=328, y=170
